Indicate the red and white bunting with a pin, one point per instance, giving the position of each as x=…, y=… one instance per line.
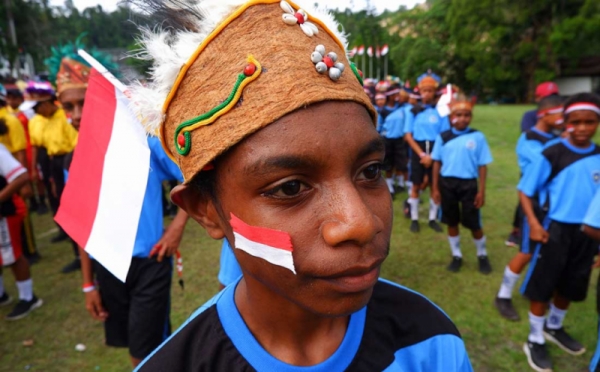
x=370, y=51
x=361, y=50
x=385, y=50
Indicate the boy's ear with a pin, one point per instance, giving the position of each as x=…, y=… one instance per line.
x=199, y=207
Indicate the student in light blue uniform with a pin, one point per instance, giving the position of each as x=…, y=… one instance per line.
x=421, y=129
x=561, y=267
x=529, y=147
x=461, y=156
x=591, y=226
x=135, y=314
x=396, y=160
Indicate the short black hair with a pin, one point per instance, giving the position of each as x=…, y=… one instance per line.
x=14, y=93
x=550, y=101
x=590, y=98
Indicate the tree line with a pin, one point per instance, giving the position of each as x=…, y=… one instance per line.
x=493, y=48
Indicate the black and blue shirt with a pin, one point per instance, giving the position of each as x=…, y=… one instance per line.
x=398, y=330
x=393, y=126
x=461, y=153
x=570, y=175
x=426, y=125
x=530, y=146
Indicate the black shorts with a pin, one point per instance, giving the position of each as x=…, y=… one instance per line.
x=396, y=156
x=458, y=202
x=562, y=266
x=529, y=246
x=417, y=170
x=138, y=309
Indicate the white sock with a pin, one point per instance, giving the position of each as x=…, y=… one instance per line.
x=25, y=290
x=556, y=317
x=1, y=286
x=409, y=185
x=508, y=283
x=390, y=184
x=480, y=244
x=400, y=180
x=536, y=329
x=455, y=246
x=414, y=208
x=433, y=210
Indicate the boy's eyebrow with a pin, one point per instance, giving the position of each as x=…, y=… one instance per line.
x=262, y=167
x=376, y=145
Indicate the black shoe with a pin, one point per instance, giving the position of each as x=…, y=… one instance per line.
x=406, y=210
x=435, y=226
x=414, y=226
x=506, y=309
x=538, y=357
x=23, y=308
x=75, y=265
x=61, y=237
x=455, y=265
x=513, y=240
x=42, y=209
x=561, y=338
x=393, y=194
x=5, y=299
x=484, y=265
x=33, y=258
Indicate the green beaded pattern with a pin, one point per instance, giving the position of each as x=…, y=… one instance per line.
x=356, y=73
x=185, y=150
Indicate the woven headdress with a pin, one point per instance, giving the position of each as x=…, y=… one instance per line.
x=68, y=70
x=227, y=68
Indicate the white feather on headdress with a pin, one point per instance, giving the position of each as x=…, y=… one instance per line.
x=170, y=48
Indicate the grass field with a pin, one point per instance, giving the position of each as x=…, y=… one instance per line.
x=416, y=261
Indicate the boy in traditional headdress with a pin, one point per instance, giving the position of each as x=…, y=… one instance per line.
x=291, y=176
x=529, y=147
x=461, y=156
x=135, y=313
x=15, y=98
x=41, y=97
x=559, y=273
x=421, y=129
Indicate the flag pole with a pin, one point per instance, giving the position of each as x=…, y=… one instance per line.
x=102, y=70
x=364, y=63
x=371, y=64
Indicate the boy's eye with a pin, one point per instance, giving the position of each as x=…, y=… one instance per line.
x=288, y=189
x=372, y=172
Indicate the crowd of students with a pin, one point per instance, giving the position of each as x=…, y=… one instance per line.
x=284, y=193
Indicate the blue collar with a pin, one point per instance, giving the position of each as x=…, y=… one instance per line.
x=459, y=132
x=541, y=133
x=577, y=149
x=261, y=360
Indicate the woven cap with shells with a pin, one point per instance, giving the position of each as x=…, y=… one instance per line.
x=236, y=67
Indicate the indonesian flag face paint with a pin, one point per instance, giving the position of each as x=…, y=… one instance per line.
x=273, y=246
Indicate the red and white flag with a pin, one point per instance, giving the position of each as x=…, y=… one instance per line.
x=273, y=246
x=361, y=50
x=370, y=51
x=102, y=202
x=385, y=50
x=353, y=52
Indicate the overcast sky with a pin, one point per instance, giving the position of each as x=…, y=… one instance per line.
x=381, y=5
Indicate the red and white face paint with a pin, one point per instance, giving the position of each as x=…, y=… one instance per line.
x=273, y=246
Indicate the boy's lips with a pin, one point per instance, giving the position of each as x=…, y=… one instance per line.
x=355, y=279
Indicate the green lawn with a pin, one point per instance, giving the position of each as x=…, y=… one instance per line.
x=416, y=261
